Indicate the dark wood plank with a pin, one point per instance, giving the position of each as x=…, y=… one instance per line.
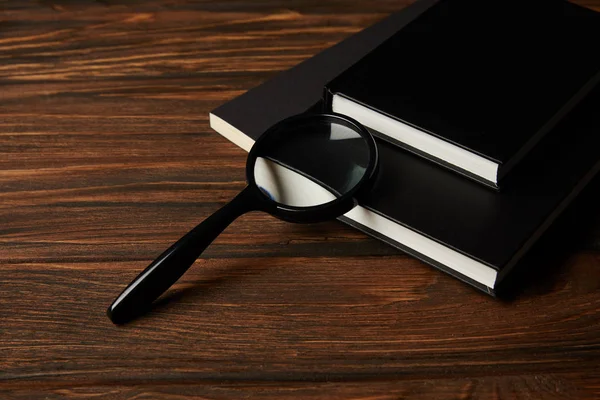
x=106, y=157
x=560, y=387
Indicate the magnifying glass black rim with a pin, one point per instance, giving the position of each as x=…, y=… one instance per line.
x=334, y=208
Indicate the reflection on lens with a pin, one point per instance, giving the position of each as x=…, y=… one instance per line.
x=285, y=186
x=311, y=163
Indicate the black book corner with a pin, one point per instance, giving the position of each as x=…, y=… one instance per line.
x=541, y=270
x=449, y=221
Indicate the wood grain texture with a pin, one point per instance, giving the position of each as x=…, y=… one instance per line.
x=106, y=158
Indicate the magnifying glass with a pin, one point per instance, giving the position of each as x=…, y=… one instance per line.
x=307, y=168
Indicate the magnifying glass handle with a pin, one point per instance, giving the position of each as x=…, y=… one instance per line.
x=163, y=272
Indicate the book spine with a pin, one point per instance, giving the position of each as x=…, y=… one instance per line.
x=327, y=100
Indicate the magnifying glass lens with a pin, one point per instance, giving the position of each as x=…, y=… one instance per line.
x=311, y=163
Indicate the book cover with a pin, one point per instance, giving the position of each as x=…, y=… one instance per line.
x=474, y=85
x=457, y=225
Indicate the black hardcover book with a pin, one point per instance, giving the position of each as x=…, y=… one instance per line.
x=474, y=85
x=434, y=214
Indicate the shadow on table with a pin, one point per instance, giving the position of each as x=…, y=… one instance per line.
x=214, y=281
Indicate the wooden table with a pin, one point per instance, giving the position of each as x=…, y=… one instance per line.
x=107, y=158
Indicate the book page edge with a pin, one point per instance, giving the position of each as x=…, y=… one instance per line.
x=417, y=139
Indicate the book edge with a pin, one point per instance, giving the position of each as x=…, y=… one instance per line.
x=547, y=223
x=463, y=160
x=560, y=115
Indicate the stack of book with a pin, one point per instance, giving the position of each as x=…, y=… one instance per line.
x=487, y=115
